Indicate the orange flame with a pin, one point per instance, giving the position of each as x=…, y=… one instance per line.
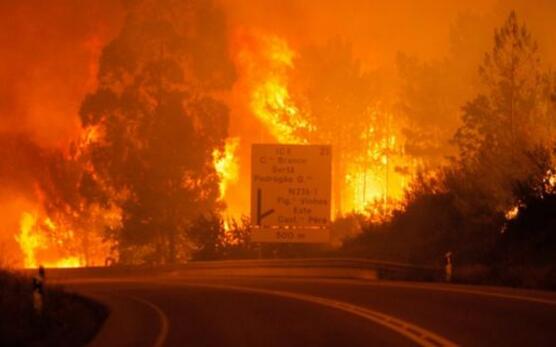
x=265, y=61
x=372, y=177
x=64, y=243
x=32, y=241
x=226, y=164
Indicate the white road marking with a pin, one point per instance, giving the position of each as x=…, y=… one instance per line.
x=432, y=286
x=164, y=324
x=483, y=292
x=415, y=333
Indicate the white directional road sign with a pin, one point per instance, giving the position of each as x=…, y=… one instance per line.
x=290, y=192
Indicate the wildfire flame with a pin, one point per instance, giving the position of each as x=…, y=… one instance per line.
x=65, y=243
x=67, y=238
x=265, y=62
x=372, y=177
x=33, y=240
x=226, y=164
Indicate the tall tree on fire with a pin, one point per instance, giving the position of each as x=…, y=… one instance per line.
x=505, y=125
x=338, y=98
x=158, y=124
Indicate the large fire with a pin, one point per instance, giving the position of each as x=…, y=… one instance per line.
x=66, y=244
x=374, y=183
x=69, y=236
x=34, y=239
x=370, y=177
x=370, y=184
x=226, y=165
x=266, y=62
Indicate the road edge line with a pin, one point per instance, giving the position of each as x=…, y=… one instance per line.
x=433, y=286
x=447, y=288
x=164, y=323
x=486, y=293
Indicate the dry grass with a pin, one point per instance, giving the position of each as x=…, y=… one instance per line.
x=67, y=319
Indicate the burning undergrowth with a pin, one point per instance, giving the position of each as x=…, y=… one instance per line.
x=57, y=226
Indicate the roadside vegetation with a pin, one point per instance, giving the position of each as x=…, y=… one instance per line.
x=492, y=205
x=67, y=319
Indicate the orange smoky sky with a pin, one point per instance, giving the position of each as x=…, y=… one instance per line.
x=376, y=29
x=49, y=52
x=379, y=29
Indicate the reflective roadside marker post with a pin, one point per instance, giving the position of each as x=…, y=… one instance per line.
x=291, y=193
x=448, y=267
x=38, y=290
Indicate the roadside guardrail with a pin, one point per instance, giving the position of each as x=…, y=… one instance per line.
x=293, y=267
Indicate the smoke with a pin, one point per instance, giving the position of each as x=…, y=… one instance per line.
x=376, y=29
x=49, y=55
x=380, y=29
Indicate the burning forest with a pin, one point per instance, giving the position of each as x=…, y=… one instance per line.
x=126, y=127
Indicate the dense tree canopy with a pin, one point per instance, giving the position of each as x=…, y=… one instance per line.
x=493, y=204
x=339, y=97
x=509, y=119
x=157, y=125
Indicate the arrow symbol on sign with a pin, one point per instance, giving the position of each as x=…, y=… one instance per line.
x=261, y=215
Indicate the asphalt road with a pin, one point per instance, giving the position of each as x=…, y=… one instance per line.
x=176, y=310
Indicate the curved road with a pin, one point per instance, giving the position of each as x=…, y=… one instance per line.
x=176, y=310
